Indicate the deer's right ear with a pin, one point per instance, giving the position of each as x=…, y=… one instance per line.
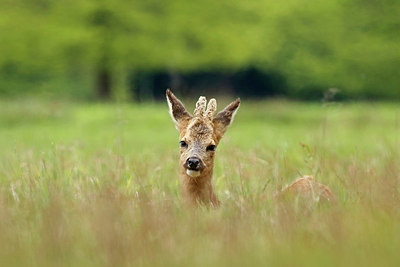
x=177, y=110
x=225, y=117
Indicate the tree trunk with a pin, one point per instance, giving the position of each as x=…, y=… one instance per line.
x=103, y=84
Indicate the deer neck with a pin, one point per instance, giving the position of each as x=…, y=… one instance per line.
x=198, y=189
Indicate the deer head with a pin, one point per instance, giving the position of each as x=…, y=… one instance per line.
x=200, y=134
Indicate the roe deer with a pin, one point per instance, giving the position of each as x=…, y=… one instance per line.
x=308, y=189
x=199, y=136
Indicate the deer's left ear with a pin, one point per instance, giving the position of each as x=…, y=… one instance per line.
x=177, y=110
x=225, y=117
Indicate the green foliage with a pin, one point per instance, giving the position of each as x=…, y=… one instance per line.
x=57, y=46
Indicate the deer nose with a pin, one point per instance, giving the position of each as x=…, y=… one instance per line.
x=193, y=163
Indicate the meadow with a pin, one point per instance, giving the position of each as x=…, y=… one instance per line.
x=96, y=184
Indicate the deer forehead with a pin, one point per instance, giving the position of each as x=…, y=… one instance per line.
x=198, y=130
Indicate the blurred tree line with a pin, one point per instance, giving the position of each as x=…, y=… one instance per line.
x=292, y=48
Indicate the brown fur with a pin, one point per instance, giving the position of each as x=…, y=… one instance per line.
x=307, y=188
x=199, y=132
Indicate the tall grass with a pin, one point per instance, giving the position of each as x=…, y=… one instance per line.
x=97, y=185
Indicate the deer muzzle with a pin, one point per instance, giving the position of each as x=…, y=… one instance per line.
x=194, y=166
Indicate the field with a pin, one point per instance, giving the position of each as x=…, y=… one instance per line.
x=97, y=185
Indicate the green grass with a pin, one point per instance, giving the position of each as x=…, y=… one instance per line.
x=97, y=185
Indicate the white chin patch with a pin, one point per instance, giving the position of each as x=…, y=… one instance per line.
x=192, y=173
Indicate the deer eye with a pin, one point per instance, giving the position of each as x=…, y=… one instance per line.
x=211, y=148
x=183, y=144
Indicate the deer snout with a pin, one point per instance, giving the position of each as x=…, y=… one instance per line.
x=194, y=164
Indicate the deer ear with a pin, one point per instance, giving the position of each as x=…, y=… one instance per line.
x=177, y=110
x=225, y=117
